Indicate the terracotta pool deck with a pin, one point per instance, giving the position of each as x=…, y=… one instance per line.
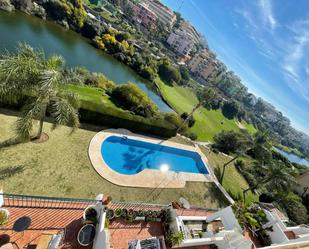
x=147, y=178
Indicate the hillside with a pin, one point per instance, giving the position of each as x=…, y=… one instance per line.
x=208, y=122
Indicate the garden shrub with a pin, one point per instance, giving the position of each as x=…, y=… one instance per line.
x=132, y=98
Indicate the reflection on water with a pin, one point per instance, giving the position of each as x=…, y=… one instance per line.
x=18, y=27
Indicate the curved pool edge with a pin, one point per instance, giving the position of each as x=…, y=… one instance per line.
x=147, y=178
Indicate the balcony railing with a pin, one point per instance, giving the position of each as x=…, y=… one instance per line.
x=29, y=201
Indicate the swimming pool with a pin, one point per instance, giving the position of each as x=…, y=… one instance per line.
x=128, y=156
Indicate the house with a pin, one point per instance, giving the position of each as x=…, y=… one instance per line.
x=282, y=235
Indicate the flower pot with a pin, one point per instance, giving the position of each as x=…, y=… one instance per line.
x=110, y=214
x=91, y=214
x=118, y=212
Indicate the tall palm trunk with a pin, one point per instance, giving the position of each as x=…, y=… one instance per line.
x=41, y=121
x=225, y=165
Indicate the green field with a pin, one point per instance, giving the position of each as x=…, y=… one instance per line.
x=60, y=167
x=233, y=181
x=208, y=122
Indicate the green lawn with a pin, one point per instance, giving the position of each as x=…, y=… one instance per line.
x=233, y=181
x=61, y=167
x=208, y=122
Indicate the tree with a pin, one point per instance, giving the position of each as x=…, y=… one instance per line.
x=27, y=73
x=275, y=176
x=232, y=142
x=169, y=73
x=230, y=109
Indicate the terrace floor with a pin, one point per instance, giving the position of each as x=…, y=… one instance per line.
x=121, y=233
x=44, y=221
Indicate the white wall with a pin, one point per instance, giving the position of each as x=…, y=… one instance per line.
x=277, y=236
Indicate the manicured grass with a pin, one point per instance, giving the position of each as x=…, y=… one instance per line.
x=61, y=167
x=208, y=122
x=92, y=94
x=233, y=181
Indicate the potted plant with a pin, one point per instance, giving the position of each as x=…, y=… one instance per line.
x=124, y=213
x=107, y=200
x=91, y=214
x=118, y=212
x=110, y=214
x=4, y=216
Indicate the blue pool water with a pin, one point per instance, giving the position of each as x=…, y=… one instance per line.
x=128, y=156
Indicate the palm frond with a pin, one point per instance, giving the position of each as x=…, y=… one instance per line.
x=24, y=124
x=55, y=62
x=63, y=112
x=47, y=78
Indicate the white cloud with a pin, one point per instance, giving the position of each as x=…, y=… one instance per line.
x=296, y=63
x=267, y=13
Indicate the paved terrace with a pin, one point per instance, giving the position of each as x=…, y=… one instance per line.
x=52, y=217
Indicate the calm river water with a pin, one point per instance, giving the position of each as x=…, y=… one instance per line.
x=18, y=27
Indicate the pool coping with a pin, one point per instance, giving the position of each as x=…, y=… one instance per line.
x=147, y=178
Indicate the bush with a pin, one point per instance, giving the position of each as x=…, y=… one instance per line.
x=107, y=116
x=295, y=209
x=169, y=73
x=190, y=121
x=230, y=141
x=132, y=98
x=266, y=197
x=240, y=164
x=172, y=118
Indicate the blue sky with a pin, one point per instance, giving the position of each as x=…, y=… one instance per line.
x=266, y=42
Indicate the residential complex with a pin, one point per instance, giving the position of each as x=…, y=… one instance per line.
x=203, y=65
x=165, y=15
x=189, y=28
x=181, y=42
x=50, y=223
x=144, y=16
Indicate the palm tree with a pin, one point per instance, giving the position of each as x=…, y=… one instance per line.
x=277, y=177
x=27, y=73
x=260, y=140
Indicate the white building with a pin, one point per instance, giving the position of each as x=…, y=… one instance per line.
x=181, y=41
x=165, y=15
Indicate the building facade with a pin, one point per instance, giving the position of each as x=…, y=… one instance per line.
x=189, y=28
x=203, y=65
x=165, y=15
x=145, y=16
x=181, y=41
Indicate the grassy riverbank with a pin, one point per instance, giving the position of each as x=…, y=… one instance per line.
x=208, y=122
x=61, y=167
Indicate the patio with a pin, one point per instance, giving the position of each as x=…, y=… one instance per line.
x=46, y=222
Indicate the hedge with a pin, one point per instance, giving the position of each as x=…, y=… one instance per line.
x=99, y=114
x=94, y=113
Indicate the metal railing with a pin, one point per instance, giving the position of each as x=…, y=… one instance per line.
x=29, y=201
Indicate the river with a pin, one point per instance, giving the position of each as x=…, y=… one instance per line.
x=293, y=158
x=77, y=51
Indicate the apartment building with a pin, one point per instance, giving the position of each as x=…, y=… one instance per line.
x=165, y=15
x=144, y=16
x=189, y=28
x=181, y=42
x=203, y=64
